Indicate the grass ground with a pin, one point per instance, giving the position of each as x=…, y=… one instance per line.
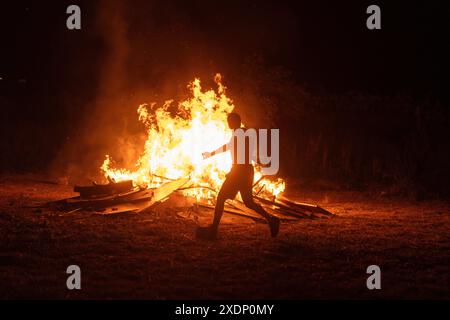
x=154, y=255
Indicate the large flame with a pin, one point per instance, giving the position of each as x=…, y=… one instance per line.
x=176, y=140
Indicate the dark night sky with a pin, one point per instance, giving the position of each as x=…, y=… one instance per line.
x=52, y=79
x=325, y=45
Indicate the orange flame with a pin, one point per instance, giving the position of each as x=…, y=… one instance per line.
x=175, y=143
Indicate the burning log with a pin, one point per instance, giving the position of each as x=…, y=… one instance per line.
x=172, y=148
x=166, y=189
x=121, y=197
x=92, y=198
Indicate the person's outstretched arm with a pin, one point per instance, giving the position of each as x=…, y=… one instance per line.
x=221, y=149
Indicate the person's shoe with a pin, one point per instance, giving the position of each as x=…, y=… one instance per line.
x=274, y=224
x=206, y=233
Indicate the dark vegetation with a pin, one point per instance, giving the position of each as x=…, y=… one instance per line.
x=396, y=144
x=356, y=110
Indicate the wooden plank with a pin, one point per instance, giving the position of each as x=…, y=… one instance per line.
x=234, y=211
x=131, y=202
x=286, y=211
x=166, y=189
x=162, y=192
x=284, y=208
x=135, y=196
x=281, y=216
x=239, y=205
x=278, y=213
x=295, y=214
x=306, y=206
x=122, y=208
x=105, y=189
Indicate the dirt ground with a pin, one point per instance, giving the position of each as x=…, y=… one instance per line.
x=154, y=255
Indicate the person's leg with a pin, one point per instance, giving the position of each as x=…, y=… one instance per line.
x=227, y=191
x=247, y=197
x=246, y=190
x=218, y=209
x=274, y=222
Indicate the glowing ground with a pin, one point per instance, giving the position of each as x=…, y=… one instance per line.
x=155, y=255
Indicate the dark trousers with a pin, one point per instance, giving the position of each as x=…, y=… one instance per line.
x=239, y=179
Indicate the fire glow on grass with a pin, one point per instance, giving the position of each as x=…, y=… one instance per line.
x=175, y=143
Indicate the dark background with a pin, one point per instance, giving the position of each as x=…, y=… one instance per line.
x=357, y=108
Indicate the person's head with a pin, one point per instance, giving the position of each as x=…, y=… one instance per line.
x=234, y=120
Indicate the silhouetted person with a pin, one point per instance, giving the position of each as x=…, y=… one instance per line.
x=239, y=179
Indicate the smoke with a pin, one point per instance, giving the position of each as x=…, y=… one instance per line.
x=150, y=51
x=103, y=127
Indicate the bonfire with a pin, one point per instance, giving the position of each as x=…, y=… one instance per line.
x=174, y=145
x=172, y=162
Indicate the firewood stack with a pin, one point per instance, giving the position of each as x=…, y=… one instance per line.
x=123, y=197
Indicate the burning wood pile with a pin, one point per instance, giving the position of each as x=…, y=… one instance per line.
x=122, y=197
x=172, y=162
